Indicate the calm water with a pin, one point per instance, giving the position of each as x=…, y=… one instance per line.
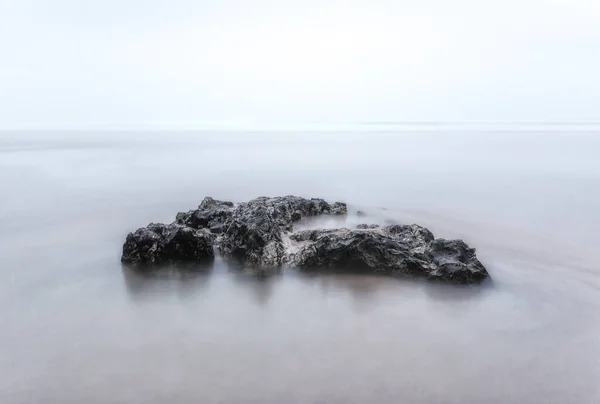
x=77, y=328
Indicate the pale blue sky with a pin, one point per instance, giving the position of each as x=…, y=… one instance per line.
x=145, y=62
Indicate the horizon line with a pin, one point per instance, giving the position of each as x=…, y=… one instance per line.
x=282, y=125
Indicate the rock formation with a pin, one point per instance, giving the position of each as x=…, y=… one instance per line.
x=260, y=234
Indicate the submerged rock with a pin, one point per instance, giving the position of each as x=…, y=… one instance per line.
x=260, y=234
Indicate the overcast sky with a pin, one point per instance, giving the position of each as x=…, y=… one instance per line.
x=135, y=62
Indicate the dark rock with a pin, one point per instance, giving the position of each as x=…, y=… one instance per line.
x=216, y=227
x=358, y=251
x=414, y=234
x=311, y=235
x=395, y=250
x=289, y=209
x=253, y=235
x=360, y=213
x=254, y=231
x=259, y=235
x=159, y=244
x=211, y=214
x=209, y=203
x=455, y=261
x=365, y=226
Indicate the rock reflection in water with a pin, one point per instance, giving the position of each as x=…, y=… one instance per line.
x=181, y=282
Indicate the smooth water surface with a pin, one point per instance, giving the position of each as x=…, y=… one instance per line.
x=78, y=328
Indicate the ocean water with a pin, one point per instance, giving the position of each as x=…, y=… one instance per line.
x=76, y=327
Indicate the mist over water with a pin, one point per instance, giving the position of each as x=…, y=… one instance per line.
x=78, y=327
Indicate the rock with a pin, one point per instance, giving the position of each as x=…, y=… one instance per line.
x=394, y=250
x=160, y=244
x=260, y=235
x=358, y=251
x=455, y=261
x=415, y=235
x=289, y=209
x=253, y=235
x=209, y=203
x=365, y=226
x=360, y=213
x=211, y=214
x=254, y=231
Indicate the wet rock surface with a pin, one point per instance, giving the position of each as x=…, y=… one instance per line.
x=260, y=234
x=211, y=214
x=255, y=231
x=393, y=250
x=365, y=226
x=159, y=244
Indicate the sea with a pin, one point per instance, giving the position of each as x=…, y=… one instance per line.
x=78, y=327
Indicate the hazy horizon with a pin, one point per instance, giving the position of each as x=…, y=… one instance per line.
x=325, y=127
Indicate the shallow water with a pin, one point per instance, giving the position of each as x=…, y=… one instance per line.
x=77, y=327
